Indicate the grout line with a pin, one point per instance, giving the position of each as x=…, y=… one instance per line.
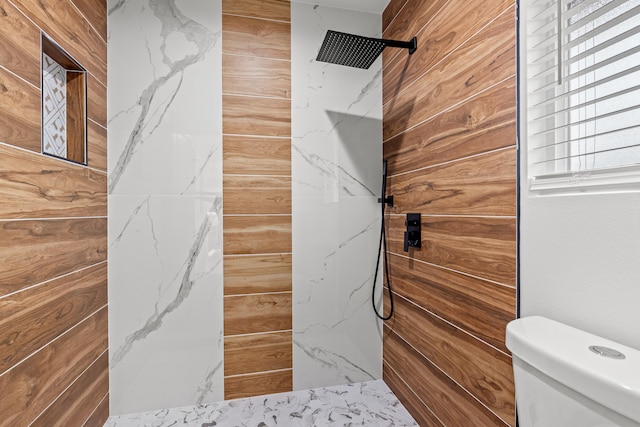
x=69, y=386
x=255, y=17
x=53, y=219
x=454, y=271
x=259, y=333
x=446, y=374
x=51, y=280
x=20, y=78
x=398, y=215
x=73, y=3
x=395, y=16
x=96, y=408
x=257, y=373
x=417, y=396
x=93, y=121
x=55, y=339
x=254, y=175
x=258, y=136
x=450, y=108
x=451, y=323
x=255, y=56
x=448, y=54
x=258, y=293
x=255, y=96
x=459, y=159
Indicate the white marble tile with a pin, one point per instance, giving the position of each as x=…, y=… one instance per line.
x=369, y=404
x=336, y=167
x=165, y=230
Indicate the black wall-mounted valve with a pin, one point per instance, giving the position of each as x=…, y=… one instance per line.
x=412, y=236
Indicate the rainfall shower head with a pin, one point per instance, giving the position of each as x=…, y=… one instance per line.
x=357, y=51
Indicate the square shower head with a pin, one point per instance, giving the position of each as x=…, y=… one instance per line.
x=350, y=50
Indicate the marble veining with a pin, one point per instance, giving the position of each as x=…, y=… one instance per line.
x=369, y=404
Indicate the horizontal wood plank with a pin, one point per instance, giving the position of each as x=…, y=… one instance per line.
x=483, y=61
x=262, y=195
x=258, y=384
x=243, y=115
x=33, y=251
x=257, y=353
x=416, y=407
x=30, y=387
x=482, y=370
x=257, y=235
x=19, y=44
x=391, y=11
x=97, y=101
x=481, y=246
x=62, y=21
x=253, y=76
x=100, y=414
x=480, y=185
x=264, y=9
x=19, y=112
x=79, y=401
x=257, y=274
x=256, y=156
x=94, y=11
x=451, y=403
x=250, y=314
x=256, y=37
x=480, y=307
x=484, y=123
x=37, y=186
x=97, y=146
x=446, y=29
x=34, y=317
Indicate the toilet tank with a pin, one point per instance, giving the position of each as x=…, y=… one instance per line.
x=567, y=377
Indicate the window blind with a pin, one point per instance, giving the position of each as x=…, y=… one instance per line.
x=583, y=91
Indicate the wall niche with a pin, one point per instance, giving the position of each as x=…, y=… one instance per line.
x=64, y=104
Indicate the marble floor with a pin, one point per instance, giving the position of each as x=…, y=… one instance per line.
x=363, y=404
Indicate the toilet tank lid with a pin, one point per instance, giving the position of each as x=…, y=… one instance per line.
x=562, y=352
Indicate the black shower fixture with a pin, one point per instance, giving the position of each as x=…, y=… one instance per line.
x=357, y=51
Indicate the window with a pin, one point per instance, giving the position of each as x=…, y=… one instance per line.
x=581, y=77
x=64, y=105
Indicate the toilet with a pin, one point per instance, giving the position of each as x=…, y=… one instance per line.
x=566, y=377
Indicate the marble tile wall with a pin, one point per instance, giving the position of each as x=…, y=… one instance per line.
x=165, y=205
x=336, y=168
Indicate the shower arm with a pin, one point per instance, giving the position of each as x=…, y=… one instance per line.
x=412, y=44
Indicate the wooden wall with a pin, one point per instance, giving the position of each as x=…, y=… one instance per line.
x=256, y=85
x=53, y=227
x=450, y=139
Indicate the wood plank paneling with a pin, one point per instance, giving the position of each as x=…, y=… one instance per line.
x=79, y=401
x=258, y=384
x=247, y=354
x=247, y=75
x=262, y=195
x=257, y=274
x=36, y=186
x=31, y=386
x=242, y=115
x=97, y=101
x=278, y=10
x=482, y=370
x=63, y=22
x=257, y=235
x=483, y=308
x=19, y=44
x=436, y=39
x=484, y=123
x=250, y=314
x=97, y=146
x=256, y=156
x=100, y=414
x=389, y=14
x=256, y=37
x=34, y=251
x=480, y=185
x=19, y=112
x=418, y=410
x=480, y=63
x=76, y=117
x=32, y=318
x=453, y=405
x=482, y=246
x=94, y=11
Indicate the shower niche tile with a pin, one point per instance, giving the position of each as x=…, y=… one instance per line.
x=64, y=104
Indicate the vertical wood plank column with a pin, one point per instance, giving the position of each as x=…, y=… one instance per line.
x=256, y=85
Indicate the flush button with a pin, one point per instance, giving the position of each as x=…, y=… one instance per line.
x=606, y=352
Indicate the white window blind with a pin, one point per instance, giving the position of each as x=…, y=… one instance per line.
x=583, y=92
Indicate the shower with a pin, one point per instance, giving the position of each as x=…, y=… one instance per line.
x=357, y=51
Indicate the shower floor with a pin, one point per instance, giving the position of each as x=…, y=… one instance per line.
x=366, y=404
